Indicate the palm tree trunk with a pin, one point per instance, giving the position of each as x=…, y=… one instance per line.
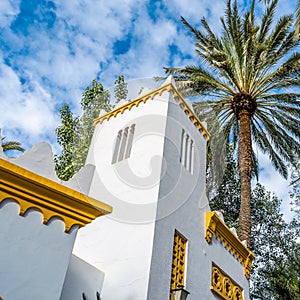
x=245, y=165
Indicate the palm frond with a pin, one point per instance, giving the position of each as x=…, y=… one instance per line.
x=11, y=145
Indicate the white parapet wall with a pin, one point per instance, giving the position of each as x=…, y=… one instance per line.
x=33, y=257
x=82, y=278
x=39, y=219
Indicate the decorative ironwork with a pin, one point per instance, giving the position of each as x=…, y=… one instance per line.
x=178, y=261
x=224, y=286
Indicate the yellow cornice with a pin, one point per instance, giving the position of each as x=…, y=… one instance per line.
x=150, y=96
x=52, y=199
x=214, y=225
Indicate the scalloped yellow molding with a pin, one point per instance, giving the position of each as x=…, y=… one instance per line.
x=52, y=199
x=214, y=225
x=150, y=96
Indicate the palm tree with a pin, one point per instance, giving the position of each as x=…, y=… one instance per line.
x=245, y=84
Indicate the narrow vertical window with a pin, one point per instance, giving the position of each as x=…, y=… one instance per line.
x=186, y=151
x=183, y=148
x=117, y=147
x=178, y=261
x=181, y=145
x=191, y=160
x=188, y=160
x=130, y=139
x=123, y=144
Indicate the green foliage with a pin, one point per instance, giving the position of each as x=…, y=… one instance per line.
x=276, y=268
x=228, y=194
x=120, y=89
x=74, y=135
x=11, y=145
x=93, y=100
x=66, y=134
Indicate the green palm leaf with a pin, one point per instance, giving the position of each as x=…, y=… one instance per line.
x=11, y=145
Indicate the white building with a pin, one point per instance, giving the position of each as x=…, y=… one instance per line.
x=147, y=162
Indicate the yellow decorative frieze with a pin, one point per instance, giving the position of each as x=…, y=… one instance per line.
x=52, y=199
x=150, y=96
x=224, y=286
x=178, y=261
x=214, y=225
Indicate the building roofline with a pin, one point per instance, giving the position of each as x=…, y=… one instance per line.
x=51, y=198
x=150, y=96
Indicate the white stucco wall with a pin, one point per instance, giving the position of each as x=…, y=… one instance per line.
x=121, y=244
x=33, y=257
x=182, y=205
x=81, y=278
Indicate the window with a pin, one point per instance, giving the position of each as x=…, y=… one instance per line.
x=123, y=144
x=187, y=151
x=178, y=262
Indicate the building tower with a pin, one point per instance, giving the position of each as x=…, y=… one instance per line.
x=150, y=158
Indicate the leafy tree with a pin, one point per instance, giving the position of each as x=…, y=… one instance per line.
x=228, y=194
x=244, y=84
x=120, y=89
x=276, y=268
x=74, y=135
x=93, y=100
x=66, y=135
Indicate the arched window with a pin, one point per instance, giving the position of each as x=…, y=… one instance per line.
x=187, y=151
x=123, y=144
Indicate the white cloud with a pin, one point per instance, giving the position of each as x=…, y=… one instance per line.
x=8, y=11
x=24, y=107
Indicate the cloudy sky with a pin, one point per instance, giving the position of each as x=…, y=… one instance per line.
x=51, y=50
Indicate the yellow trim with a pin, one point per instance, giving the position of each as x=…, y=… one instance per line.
x=150, y=96
x=224, y=286
x=52, y=199
x=178, y=261
x=214, y=225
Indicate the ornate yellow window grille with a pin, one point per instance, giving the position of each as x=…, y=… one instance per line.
x=178, y=261
x=224, y=286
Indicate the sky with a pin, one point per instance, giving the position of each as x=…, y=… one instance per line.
x=51, y=50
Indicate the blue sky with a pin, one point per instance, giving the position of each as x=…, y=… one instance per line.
x=51, y=50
